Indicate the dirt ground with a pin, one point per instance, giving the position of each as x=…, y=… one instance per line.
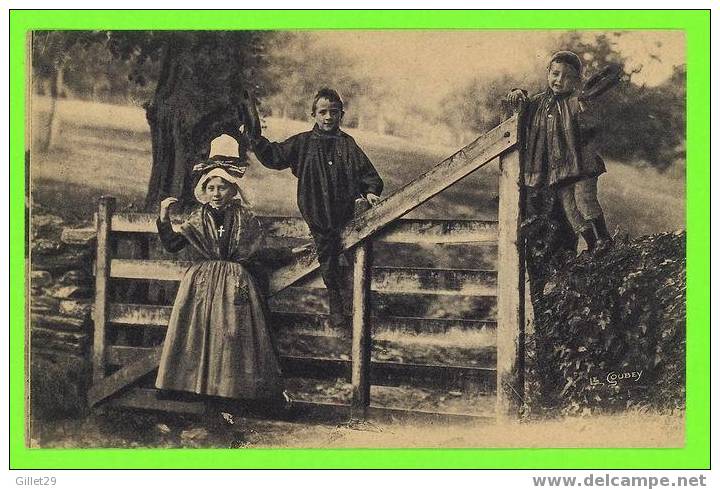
x=127, y=430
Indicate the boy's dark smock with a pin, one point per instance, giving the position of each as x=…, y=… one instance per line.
x=557, y=131
x=332, y=172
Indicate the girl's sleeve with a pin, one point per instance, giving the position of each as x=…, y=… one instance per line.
x=277, y=156
x=370, y=181
x=171, y=240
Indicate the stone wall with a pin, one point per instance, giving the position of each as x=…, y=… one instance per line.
x=61, y=299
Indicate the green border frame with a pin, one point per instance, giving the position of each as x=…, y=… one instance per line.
x=695, y=454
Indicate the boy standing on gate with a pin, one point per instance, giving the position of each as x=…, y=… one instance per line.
x=558, y=133
x=332, y=172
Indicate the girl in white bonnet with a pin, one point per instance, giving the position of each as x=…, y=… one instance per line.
x=218, y=341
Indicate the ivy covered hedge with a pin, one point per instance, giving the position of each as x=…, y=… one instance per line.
x=610, y=331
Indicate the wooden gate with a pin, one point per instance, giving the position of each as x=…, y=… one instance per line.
x=118, y=368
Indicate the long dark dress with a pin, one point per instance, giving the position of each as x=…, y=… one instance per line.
x=218, y=341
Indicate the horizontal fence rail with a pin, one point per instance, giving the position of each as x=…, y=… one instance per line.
x=419, y=231
x=151, y=315
x=384, y=279
x=144, y=398
x=381, y=372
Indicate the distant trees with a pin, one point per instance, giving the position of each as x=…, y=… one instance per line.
x=52, y=52
x=194, y=79
x=637, y=122
x=479, y=105
x=190, y=82
x=297, y=67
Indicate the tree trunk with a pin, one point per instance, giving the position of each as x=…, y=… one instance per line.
x=198, y=98
x=53, y=127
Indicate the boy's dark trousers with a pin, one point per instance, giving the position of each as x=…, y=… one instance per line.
x=328, y=251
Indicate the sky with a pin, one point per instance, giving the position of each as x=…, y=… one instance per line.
x=428, y=64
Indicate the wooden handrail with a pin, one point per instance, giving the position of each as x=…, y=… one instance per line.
x=449, y=171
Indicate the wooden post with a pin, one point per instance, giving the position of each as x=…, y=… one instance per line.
x=102, y=274
x=361, y=335
x=510, y=290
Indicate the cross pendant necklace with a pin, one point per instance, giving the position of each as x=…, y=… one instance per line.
x=221, y=230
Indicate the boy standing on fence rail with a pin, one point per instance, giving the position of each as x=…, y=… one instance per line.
x=557, y=153
x=332, y=172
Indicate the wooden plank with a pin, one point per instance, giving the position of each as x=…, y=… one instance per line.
x=511, y=291
x=435, y=281
x=74, y=339
x=305, y=411
x=149, y=315
x=427, y=231
x=78, y=236
x=58, y=322
x=316, y=324
x=139, y=314
x=102, y=273
x=314, y=301
x=398, y=280
x=132, y=222
x=107, y=386
x=401, y=231
x=361, y=328
x=147, y=399
x=169, y=270
x=49, y=343
x=391, y=373
x=439, y=231
x=470, y=158
x=381, y=373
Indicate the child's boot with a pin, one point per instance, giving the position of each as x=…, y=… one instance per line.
x=588, y=234
x=600, y=229
x=337, y=318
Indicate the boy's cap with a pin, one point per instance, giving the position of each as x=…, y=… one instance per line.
x=567, y=57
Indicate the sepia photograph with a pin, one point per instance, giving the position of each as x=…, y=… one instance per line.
x=356, y=238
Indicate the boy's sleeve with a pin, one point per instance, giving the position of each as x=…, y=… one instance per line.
x=370, y=181
x=601, y=82
x=277, y=156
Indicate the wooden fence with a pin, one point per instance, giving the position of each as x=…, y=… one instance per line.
x=118, y=369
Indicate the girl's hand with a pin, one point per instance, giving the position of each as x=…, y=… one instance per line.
x=165, y=208
x=517, y=97
x=373, y=199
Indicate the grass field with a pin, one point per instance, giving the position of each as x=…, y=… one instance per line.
x=105, y=149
